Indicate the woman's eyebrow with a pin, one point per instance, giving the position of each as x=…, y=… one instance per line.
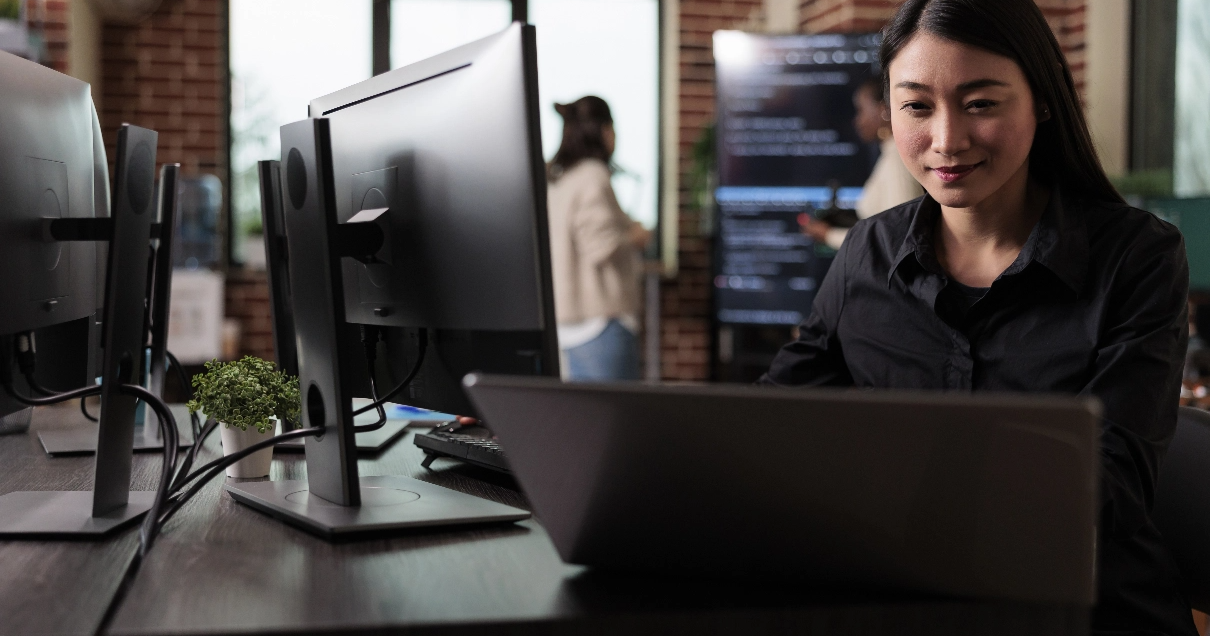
x=981, y=83
x=965, y=86
x=915, y=86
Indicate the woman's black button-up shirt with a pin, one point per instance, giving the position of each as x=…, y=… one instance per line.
x=1095, y=304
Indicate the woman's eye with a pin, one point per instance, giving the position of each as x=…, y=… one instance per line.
x=914, y=107
x=980, y=104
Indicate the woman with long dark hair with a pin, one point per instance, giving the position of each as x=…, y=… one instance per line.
x=595, y=250
x=1021, y=269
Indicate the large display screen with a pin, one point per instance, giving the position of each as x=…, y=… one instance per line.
x=786, y=147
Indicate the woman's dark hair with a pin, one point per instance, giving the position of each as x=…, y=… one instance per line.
x=1062, y=152
x=583, y=121
x=874, y=84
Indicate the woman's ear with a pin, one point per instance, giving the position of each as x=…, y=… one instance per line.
x=1043, y=113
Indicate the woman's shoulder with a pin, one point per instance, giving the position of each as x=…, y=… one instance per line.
x=588, y=170
x=1116, y=225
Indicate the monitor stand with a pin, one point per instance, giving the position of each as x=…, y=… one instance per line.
x=65, y=514
x=81, y=439
x=335, y=502
x=387, y=504
x=110, y=505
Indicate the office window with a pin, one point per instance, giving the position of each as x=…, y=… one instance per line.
x=611, y=49
x=284, y=53
x=424, y=28
x=1191, y=165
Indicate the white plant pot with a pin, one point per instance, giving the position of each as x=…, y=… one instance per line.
x=255, y=465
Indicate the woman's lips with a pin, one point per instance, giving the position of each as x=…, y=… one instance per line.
x=950, y=174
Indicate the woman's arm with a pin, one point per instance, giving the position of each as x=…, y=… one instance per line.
x=1137, y=374
x=599, y=225
x=815, y=358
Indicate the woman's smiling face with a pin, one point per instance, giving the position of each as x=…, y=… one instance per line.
x=963, y=118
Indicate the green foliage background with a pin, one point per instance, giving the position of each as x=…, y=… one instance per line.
x=245, y=393
x=10, y=9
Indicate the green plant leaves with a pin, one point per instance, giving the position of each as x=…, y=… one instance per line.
x=247, y=392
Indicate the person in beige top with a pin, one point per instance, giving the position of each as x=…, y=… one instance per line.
x=889, y=183
x=595, y=251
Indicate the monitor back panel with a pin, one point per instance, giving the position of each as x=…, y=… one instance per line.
x=46, y=171
x=987, y=496
x=451, y=145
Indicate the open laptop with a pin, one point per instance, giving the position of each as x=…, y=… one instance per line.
x=986, y=495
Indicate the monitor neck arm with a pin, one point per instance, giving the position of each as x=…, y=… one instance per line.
x=85, y=229
x=364, y=237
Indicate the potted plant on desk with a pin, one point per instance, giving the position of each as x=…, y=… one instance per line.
x=246, y=396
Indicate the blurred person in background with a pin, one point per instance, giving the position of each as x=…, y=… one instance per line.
x=595, y=251
x=889, y=184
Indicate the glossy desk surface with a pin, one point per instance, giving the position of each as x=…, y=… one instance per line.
x=222, y=568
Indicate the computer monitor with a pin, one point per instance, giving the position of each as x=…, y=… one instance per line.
x=451, y=147
x=418, y=199
x=47, y=170
x=48, y=277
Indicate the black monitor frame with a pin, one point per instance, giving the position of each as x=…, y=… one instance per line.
x=160, y=289
x=277, y=256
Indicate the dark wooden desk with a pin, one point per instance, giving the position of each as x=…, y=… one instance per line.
x=222, y=568
x=59, y=587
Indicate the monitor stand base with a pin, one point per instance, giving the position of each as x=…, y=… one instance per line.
x=388, y=504
x=64, y=515
x=82, y=439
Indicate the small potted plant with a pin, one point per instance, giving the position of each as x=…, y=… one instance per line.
x=246, y=396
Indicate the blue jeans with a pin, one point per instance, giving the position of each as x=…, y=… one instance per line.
x=613, y=355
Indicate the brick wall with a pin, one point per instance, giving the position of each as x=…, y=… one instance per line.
x=169, y=73
x=48, y=18
x=247, y=301
x=686, y=300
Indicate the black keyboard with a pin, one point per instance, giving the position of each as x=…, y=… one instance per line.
x=472, y=449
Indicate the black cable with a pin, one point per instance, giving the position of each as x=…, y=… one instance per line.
x=51, y=399
x=190, y=456
x=369, y=341
x=217, y=466
x=195, y=424
x=180, y=374
x=382, y=414
x=84, y=410
x=261, y=444
x=37, y=387
x=168, y=432
x=406, y=381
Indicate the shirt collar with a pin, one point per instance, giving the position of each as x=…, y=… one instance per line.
x=1058, y=242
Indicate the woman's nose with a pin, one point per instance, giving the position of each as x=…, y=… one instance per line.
x=950, y=134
